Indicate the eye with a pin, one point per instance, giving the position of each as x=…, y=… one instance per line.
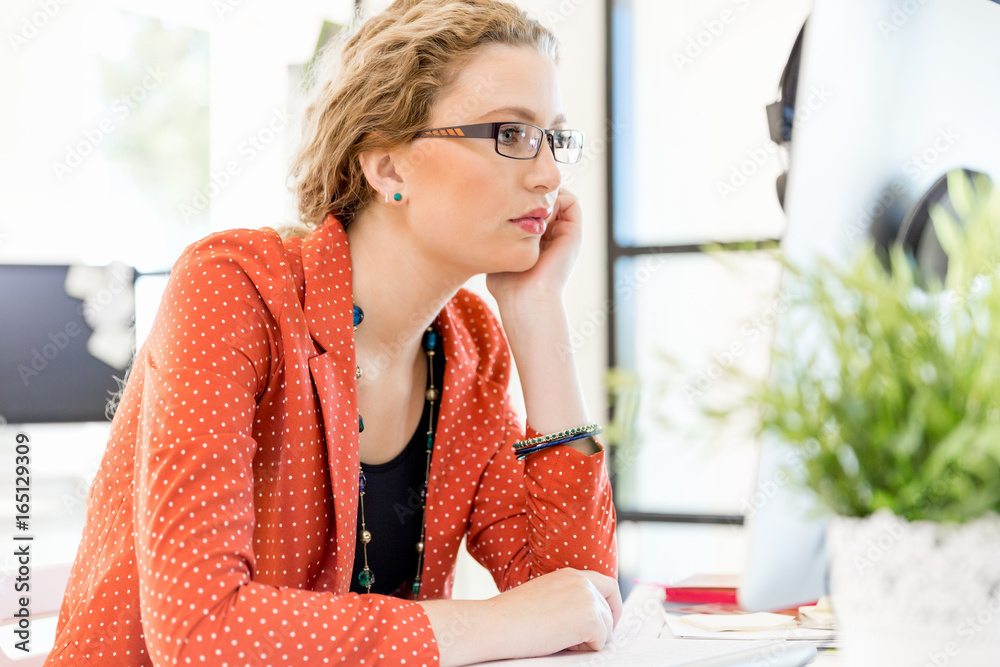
x=512, y=135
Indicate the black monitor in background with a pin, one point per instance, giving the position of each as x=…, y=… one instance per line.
x=48, y=368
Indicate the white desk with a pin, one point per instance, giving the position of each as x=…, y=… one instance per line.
x=637, y=641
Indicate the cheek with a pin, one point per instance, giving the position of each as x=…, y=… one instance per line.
x=456, y=177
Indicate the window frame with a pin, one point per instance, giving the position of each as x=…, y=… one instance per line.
x=618, y=89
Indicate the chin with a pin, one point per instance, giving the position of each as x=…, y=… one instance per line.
x=524, y=260
x=513, y=260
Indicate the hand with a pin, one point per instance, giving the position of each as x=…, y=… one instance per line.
x=558, y=250
x=575, y=609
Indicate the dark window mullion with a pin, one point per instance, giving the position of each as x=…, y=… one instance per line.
x=617, y=96
x=748, y=245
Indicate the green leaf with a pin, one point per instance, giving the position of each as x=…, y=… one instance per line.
x=896, y=397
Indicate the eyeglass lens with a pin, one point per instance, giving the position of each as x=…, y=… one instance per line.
x=523, y=141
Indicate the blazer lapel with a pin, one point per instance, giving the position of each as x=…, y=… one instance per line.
x=329, y=315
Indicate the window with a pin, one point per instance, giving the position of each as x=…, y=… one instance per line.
x=694, y=222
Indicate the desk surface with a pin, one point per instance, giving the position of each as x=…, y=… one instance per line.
x=637, y=641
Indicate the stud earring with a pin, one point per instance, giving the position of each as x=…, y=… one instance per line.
x=398, y=196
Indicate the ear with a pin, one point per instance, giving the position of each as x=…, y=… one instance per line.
x=379, y=167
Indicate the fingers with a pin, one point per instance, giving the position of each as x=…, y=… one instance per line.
x=610, y=611
x=567, y=206
x=616, y=605
x=608, y=588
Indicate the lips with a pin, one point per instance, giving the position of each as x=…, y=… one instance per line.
x=533, y=222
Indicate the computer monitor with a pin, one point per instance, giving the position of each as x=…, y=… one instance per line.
x=66, y=338
x=911, y=92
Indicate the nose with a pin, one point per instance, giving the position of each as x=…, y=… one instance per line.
x=544, y=173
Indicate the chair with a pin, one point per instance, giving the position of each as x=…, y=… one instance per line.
x=48, y=584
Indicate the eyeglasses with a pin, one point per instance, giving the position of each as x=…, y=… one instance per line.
x=518, y=141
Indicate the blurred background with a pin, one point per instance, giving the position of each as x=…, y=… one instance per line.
x=130, y=128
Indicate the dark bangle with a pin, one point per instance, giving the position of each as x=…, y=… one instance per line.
x=525, y=447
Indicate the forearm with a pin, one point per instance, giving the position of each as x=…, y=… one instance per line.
x=538, y=332
x=547, y=614
x=465, y=631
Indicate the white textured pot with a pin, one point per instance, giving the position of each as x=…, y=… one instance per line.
x=917, y=594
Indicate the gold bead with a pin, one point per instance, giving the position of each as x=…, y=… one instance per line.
x=357, y=373
x=366, y=537
x=420, y=547
x=432, y=394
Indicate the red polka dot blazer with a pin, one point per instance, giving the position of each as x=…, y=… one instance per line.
x=221, y=526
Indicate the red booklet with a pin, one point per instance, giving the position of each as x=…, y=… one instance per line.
x=704, y=589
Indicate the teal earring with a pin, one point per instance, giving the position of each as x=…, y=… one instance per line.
x=398, y=196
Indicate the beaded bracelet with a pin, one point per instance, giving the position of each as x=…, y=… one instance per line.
x=532, y=445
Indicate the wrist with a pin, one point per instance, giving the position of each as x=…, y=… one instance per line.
x=466, y=631
x=532, y=300
x=534, y=319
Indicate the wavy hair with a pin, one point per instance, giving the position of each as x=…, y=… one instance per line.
x=375, y=88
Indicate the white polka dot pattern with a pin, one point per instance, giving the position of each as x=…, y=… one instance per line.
x=221, y=525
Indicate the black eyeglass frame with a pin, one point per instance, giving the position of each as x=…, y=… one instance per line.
x=492, y=131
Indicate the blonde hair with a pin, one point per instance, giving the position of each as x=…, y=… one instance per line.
x=375, y=88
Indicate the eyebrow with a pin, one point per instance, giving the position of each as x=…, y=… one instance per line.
x=524, y=113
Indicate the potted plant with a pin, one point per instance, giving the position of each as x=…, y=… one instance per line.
x=891, y=390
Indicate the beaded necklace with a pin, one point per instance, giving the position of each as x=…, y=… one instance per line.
x=366, y=577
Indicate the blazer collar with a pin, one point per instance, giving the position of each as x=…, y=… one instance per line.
x=329, y=302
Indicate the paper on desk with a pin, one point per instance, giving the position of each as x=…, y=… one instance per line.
x=819, y=615
x=739, y=622
x=675, y=627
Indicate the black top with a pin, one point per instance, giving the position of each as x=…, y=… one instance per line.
x=393, y=512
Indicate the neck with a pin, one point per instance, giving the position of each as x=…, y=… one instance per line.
x=400, y=289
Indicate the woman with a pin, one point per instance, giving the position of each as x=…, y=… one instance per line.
x=314, y=424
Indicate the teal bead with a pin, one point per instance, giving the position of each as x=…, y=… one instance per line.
x=361, y=424
x=416, y=588
x=430, y=442
x=366, y=578
x=397, y=196
x=431, y=339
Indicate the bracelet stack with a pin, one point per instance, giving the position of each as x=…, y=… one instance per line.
x=525, y=447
